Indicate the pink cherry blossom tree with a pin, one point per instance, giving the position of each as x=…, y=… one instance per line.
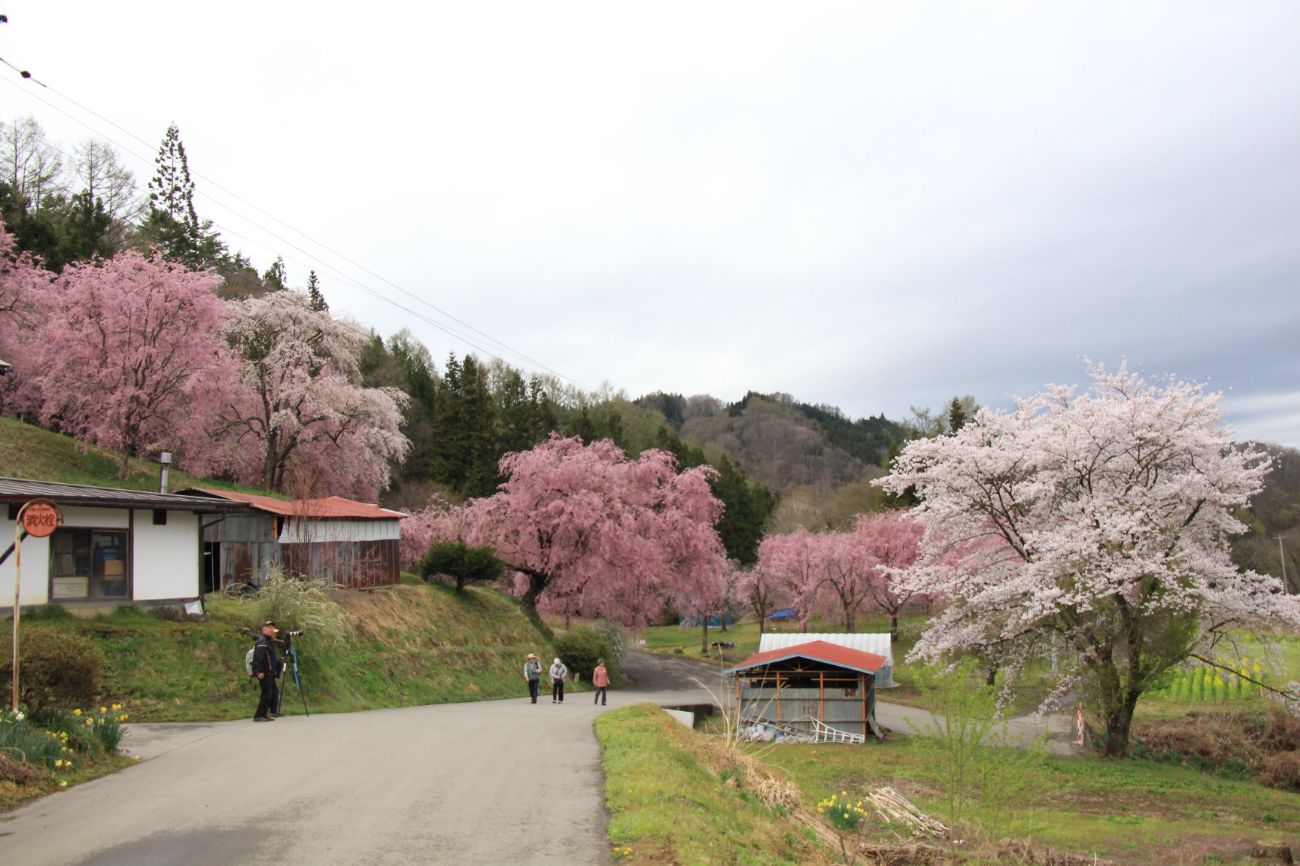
x=121, y=350
x=22, y=283
x=300, y=416
x=892, y=542
x=1100, y=518
x=437, y=521
x=847, y=571
x=763, y=588
x=594, y=533
x=790, y=564
x=707, y=593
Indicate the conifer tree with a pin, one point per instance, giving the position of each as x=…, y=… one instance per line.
x=172, y=224
x=276, y=278
x=315, y=299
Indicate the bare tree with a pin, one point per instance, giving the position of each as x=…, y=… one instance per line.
x=99, y=171
x=31, y=166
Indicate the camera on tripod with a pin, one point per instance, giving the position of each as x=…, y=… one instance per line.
x=297, y=633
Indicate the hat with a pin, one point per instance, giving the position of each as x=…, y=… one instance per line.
x=531, y=656
x=600, y=661
x=271, y=623
x=557, y=661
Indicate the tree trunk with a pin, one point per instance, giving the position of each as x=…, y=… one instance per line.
x=704, y=641
x=991, y=676
x=1119, y=721
x=528, y=601
x=893, y=626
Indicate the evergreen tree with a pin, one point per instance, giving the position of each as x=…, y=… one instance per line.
x=582, y=426
x=478, y=416
x=956, y=416
x=172, y=224
x=276, y=279
x=542, y=412
x=315, y=299
x=86, y=228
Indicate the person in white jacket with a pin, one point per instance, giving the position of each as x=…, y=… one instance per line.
x=558, y=673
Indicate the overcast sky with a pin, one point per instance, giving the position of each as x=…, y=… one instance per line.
x=864, y=204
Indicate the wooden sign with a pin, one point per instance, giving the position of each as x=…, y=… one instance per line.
x=40, y=518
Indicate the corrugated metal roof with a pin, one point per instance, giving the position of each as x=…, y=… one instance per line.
x=329, y=507
x=90, y=496
x=817, y=650
x=877, y=643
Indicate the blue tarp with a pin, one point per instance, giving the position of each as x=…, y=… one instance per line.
x=783, y=613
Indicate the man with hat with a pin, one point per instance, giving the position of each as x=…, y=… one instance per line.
x=532, y=674
x=267, y=667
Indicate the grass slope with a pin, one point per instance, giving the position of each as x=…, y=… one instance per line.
x=31, y=452
x=413, y=645
x=672, y=799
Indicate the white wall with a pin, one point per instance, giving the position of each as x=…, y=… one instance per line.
x=299, y=530
x=165, y=559
x=36, y=566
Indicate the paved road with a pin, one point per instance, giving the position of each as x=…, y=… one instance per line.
x=495, y=782
x=481, y=784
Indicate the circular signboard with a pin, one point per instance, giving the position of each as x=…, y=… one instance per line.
x=40, y=518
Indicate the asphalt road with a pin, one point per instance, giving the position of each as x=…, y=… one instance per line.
x=478, y=784
x=494, y=782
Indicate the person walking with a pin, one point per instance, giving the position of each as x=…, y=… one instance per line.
x=267, y=667
x=600, y=679
x=532, y=674
x=558, y=673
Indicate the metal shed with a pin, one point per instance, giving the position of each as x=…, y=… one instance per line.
x=798, y=687
x=877, y=643
x=345, y=542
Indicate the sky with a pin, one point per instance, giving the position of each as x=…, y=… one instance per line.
x=870, y=205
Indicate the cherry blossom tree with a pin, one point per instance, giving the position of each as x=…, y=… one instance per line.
x=1099, y=518
x=22, y=282
x=847, y=571
x=595, y=533
x=121, y=350
x=789, y=563
x=892, y=542
x=763, y=588
x=707, y=594
x=300, y=411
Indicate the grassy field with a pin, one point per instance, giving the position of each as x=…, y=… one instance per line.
x=412, y=645
x=1133, y=812
x=30, y=452
x=675, y=797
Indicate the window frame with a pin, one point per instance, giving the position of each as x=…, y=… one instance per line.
x=128, y=535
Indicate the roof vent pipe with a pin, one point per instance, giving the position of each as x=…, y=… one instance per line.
x=165, y=459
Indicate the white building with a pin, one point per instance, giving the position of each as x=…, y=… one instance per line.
x=113, y=547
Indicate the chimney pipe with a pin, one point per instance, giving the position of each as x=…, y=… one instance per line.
x=165, y=459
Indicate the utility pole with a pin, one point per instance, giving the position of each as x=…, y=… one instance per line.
x=1281, y=555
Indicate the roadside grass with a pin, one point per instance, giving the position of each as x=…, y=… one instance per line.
x=1134, y=812
x=672, y=800
x=13, y=794
x=413, y=645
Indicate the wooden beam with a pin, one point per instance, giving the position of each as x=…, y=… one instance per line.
x=821, y=695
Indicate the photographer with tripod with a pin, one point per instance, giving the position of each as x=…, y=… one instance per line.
x=267, y=668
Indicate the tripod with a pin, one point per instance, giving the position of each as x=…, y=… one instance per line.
x=297, y=679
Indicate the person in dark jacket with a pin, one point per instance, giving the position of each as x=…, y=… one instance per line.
x=267, y=667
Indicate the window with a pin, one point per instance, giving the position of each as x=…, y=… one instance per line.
x=159, y=517
x=89, y=564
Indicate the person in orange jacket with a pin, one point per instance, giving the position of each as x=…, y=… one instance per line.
x=600, y=679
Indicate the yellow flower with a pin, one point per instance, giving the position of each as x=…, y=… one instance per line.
x=76, y=712
x=117, y=706
x=123, y=717
x=103, y=710
x=63, y=784
x=135, y=757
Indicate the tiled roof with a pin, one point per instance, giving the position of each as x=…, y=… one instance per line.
x=87, y=495
x=817, y=650
x=335, y=507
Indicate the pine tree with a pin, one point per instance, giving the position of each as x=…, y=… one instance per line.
x=956, y=416
x=276, y=279
x=315, y=299
x=172, y=224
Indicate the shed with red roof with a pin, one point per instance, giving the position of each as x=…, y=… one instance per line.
x=810, y=686
x=342, y=541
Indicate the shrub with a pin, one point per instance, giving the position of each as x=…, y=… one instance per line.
x=300, y=604
x=106, y=726
x=1281, y=771
x=613, y=635
x=579, y=649
x=59, y=669
x=463, y=564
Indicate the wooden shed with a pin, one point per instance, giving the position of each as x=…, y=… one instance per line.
x=345, y=542
x=809, y=686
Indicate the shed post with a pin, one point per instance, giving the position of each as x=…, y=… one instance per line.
x=778, y=696
x=821, y=695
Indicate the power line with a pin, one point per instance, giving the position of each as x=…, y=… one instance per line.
x=502, y=346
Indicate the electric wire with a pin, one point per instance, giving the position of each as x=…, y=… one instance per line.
x=502, y=346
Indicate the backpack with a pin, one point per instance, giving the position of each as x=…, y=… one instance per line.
x=248, y=661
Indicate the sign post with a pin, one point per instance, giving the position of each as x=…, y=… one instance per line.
x=38, y=518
